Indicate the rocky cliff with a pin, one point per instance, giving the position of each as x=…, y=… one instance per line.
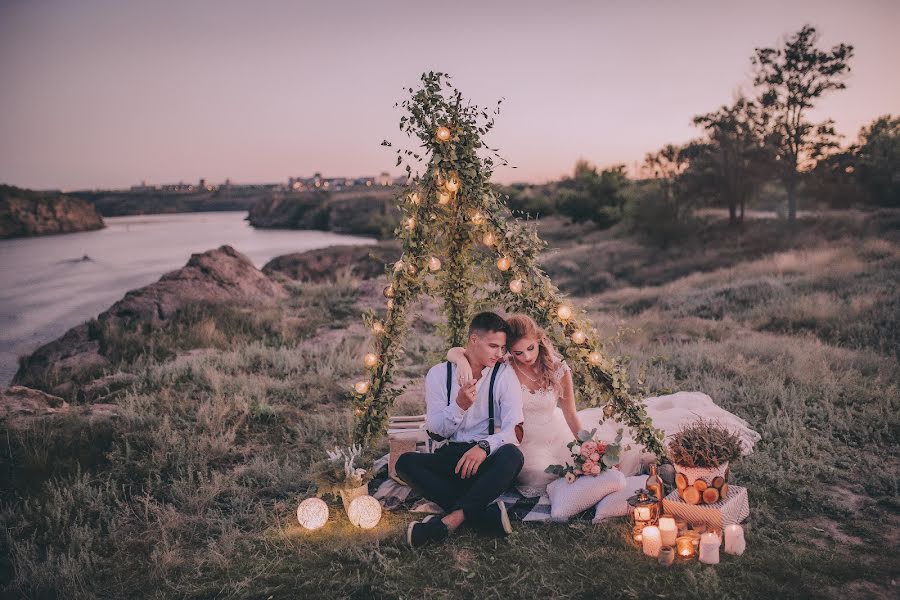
x=27, y=213
x=325, y=264
x=360, y=213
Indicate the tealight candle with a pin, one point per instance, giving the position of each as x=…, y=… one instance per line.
x=709, y=548
x=651, y=541
x=734, y=540
x=666, y=556
x=668, y=530
x=685, y=546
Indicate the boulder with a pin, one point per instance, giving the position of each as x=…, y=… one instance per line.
x=325, y=264
x=28, y=213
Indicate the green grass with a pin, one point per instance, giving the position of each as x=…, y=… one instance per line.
x=191, y=491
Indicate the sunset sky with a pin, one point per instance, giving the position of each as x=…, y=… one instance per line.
x=106, y=93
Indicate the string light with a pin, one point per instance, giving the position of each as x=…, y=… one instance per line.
x=579, y=337
x=415, y=198
x=443, y=198
x=388, y=291
x=489, y=239
x=434, y=264
x=564, y=312
x=377, y=328
x=411, y=223
x=370, y=360
x=504, y=264
x=594, y=358
x=361, y=387
x=443, y=134
x=515, y=286
x=477, y=218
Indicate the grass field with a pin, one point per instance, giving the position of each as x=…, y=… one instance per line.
x=191, y=491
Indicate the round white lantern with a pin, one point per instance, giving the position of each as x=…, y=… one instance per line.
x=515, y=286
x=489, y=239
x=312, y=513
x=361, y=387
x=434, y=263
x=442, y=134
x=579, y=337
x=504, y=264
x=364, y=511
x=564, y=312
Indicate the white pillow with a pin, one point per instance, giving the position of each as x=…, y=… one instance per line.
x=569, y=499
x=616, y=504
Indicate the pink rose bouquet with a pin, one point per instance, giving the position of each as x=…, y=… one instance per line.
x=589, y=456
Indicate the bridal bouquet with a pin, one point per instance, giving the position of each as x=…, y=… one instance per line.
x=589, y=456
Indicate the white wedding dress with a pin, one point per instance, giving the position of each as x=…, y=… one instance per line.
x=546, y=432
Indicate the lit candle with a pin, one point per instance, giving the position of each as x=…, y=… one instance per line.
x=666, y=556
x=734, y=540
x=668, y=530
x=709, y=548
x=651, y=541
x=684, y=545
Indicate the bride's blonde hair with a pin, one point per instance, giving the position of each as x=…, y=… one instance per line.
x=548, y=360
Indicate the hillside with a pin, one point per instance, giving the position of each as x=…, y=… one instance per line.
x=189, y=488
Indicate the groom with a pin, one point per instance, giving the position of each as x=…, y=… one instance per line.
x=481, y=459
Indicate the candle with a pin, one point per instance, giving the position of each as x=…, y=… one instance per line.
x=651, y=541
x=709, y=548
x=642, y=513
x=685, y=546
x=734, y=540
x=668, y=530
x=681, y=525
x=666, y=556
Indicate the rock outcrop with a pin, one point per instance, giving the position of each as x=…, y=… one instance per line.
x=325, y=264
x=217, y=276
x=27, y=213
x=359, y=213
x=21, y=404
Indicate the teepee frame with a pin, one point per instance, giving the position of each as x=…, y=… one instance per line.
x=461, y=243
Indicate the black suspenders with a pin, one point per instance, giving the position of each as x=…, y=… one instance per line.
x=490, y=393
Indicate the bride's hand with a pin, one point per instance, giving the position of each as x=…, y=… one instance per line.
x=463, y=369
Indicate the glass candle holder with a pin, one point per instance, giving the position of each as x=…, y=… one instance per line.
x=666, y=555
x=684, y=546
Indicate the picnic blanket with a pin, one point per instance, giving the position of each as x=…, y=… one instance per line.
x=395, y=496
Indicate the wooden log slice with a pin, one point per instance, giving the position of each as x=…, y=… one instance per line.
x=710, y=495
x=691, y=495
x=718, y=481
x=680, y=481
x=701, y=485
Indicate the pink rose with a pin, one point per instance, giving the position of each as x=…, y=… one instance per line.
x=590, y=446
x=601, y=448
x=570, y=477
x=588, y=466
x=595, y=456
x=595, y=469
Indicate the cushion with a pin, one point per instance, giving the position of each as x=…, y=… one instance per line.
x=616, y=504
x=569, y=499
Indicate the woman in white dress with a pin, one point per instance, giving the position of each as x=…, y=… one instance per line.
x=548, y=401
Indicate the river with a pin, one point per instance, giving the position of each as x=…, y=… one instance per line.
x=53, y=283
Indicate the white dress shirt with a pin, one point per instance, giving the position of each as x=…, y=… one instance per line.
x=458, y=425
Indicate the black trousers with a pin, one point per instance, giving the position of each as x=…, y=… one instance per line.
x=433, y=476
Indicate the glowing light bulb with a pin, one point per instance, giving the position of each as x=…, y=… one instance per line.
x=504, y=264
x=434, y=264
x=361, y=387
x=594, y=358
x=377, y=328
x=443, y=198
x=442, y=134
x=515, y=286
x=564, y=312
x=452, y=185
x=370, y=360
x=579, y=337
x=388, y=291
x=411, y=223
x=489, y=239
x=477, y=218
x=312, y=513
x=415, y=198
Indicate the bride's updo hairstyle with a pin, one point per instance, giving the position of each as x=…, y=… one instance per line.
x=548, y=360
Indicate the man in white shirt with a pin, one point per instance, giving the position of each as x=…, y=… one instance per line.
x=481, y=458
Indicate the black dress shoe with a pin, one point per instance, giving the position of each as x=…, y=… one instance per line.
x=494, y=519
x=430, y=529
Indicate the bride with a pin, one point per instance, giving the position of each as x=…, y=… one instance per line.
x=548, y=401
x=551, y=418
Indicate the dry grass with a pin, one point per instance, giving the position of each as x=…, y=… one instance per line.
x=192, y=491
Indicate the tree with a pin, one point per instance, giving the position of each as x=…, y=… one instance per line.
x=790, y=80
x=667, y=166
x=734, y=158
x=593, y=196
x=877, y=161
x=461, y=243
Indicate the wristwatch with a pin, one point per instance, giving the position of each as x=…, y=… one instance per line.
x=484, y=445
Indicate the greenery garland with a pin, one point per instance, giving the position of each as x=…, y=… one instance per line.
x=461, y=242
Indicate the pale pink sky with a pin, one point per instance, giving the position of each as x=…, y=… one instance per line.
x=108, y=93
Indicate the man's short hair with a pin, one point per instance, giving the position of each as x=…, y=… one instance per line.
x=488, y=322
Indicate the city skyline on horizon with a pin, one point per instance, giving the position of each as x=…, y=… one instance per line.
x=105, y=94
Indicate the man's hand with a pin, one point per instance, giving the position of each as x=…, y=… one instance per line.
x=466, y=396
x=470, y=461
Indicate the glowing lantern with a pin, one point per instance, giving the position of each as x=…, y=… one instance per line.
x=477, y=218
x=452, y=184
x=504, y=264
x=434, y=264
x=370, y=360
x=361, y=387
x=411, y=223
x=377, y=328
x=564, y=312
x=388, y=291
x=312, y=513
x=594, y=358
x=364, y=512
x=442, y=134
x=515, y=286
x=579, y=337
x=489, y=239
x=443, y=198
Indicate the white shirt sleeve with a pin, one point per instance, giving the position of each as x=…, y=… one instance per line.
x=508, y=395
x=440, y=418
